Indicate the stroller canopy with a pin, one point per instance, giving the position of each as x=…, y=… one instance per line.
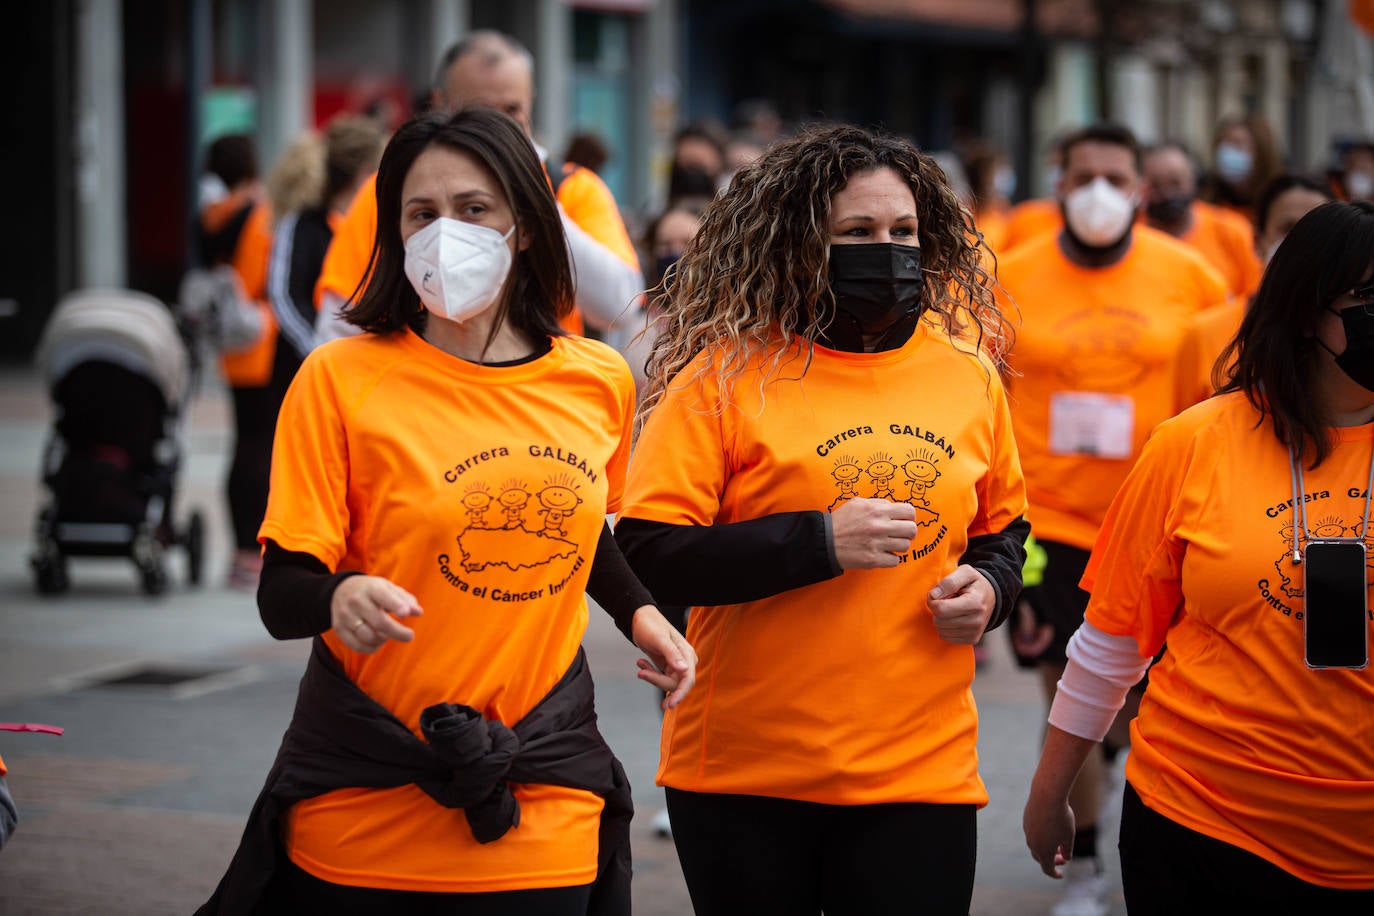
x=119, y=326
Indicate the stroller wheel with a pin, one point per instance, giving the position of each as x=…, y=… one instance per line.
x=154, y=579
x=50, y=570
x=194, y=540
x=148, y=556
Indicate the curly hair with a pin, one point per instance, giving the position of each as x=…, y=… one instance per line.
x=754, y=283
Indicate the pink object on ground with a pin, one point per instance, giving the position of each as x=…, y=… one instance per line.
x=30, y=727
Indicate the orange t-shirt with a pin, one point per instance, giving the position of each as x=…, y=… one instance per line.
x=590, y=204
x=839, y=692
x=993, y=225
x=1228, y=244
x=483, y=491
x=1096, y=364
x=583, y=196
x=1236, y=738
x=345, y=262
x=1209, y=333
x=252, y=367
x=1031, y=219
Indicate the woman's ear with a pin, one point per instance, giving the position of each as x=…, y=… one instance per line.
x=522, y=237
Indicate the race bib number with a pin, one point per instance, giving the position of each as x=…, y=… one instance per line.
x=1088, y=423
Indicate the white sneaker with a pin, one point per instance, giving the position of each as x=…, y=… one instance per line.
x=662, y=826
x=1085, y=890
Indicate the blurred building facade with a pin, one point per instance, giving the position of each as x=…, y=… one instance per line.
x=114, y=101
x=1019, y=72
x=111, y=102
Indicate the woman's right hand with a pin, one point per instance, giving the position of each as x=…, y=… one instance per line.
x=1049, y=824
x=364, y=612
x=872, y=533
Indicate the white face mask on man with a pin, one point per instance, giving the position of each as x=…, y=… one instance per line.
x=1098, y=214
x=457, y=268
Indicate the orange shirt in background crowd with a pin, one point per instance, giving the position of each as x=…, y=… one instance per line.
x=252, y=367
x=993, y=224
x=1209, y=333
x=491, y=523
x=1031, y=219
x=1096, y=364
x=1226, y=242
x=1236, y=738
x=925, y=424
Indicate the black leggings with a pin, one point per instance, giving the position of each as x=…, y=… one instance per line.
x=294, y=890
x=1170, y=870
x=255, y=422
x=744, y=854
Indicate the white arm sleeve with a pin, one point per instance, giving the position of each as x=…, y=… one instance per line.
x=607, y=287
x=328, y=325
x=1101, y=669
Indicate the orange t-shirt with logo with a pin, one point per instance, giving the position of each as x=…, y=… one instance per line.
x=483, y=491
x=1228, y=244
x=1031, y=219
x=583, y=196
x=252, y=367
x=1096, y=364
x=839, y=692
x=1236, y=738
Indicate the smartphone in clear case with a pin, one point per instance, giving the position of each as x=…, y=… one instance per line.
x=1336, y=615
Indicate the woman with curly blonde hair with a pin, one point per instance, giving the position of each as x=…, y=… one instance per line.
x=826, y=476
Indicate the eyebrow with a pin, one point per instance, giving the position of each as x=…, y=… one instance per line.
x=863, y=217
x=461, y=195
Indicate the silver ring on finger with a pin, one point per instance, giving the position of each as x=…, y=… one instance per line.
x=360, y=623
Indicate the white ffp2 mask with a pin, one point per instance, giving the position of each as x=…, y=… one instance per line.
x=1098, y=214
x=457, y=268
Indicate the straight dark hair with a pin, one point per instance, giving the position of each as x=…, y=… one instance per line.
x=1279, y=185
x=539, y=289
x=1273, y=357
x=1111, y=134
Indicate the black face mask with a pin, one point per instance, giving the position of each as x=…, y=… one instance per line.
x=876, y=282
x=662, y=265
x=877, y=289
x=1169, y=211
x=1357, y=361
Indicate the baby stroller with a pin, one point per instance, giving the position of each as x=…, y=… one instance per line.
x=120, y=376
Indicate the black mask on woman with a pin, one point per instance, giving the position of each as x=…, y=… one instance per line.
x=662, y=264
x=1169, y=211
x=1357, y=360
x=877, y=289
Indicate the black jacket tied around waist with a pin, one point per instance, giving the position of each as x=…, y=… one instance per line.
x=339, y=737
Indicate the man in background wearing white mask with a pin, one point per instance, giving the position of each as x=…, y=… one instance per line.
x=493, y=69
x=1105, y=308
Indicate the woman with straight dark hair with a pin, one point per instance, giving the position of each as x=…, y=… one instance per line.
x=1242, y=539
x=437, y=511
x=1287, y=198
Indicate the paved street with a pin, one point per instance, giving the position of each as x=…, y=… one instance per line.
x=138, y=807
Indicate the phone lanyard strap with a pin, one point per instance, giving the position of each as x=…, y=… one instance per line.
x=1300, y=501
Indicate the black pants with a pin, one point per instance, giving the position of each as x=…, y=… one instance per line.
x=295, y=890
x=1170, y=870
x=744, y=854
x=255, y=422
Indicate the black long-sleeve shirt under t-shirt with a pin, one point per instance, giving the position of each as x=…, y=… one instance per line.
x=296, y=589
x=765, y=556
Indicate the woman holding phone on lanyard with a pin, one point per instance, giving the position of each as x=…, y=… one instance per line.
x=1242, y=540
